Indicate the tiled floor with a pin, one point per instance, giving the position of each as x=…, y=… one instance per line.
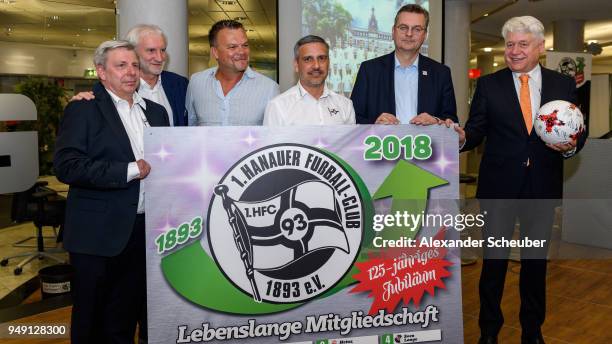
x=8, y=281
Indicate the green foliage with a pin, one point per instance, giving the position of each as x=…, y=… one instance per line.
x=48, y=98
x=327, y=19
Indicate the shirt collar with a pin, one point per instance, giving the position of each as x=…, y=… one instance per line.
x=302, y=91
x=136, y=99
x=249, y=73
x=414, y=64
x=535, y=74
x=144, y=84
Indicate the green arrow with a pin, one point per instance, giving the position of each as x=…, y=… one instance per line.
x=408, y=185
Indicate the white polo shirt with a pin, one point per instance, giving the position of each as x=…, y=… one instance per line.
x=297, y=107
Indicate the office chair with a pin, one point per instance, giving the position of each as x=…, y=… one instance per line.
x=43, y=207
x=23, y=206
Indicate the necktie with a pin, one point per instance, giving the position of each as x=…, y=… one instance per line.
x=525, y=100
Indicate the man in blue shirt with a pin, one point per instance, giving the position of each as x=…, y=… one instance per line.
x=405, y=86
x=231, y=93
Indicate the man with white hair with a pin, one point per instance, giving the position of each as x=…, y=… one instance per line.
x=163, y=87
x=520, y=176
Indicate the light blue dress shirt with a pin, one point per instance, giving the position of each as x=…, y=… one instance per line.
x=406, y=90
x=244, y=104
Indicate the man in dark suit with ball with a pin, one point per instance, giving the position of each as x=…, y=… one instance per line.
x=520, y=176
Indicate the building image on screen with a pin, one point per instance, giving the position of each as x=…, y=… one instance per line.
x=356, y=30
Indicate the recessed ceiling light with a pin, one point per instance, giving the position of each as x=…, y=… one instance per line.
x=488, y=49
x=550, y=49
x=485, y=15
x=54, y=18
x=495, y=64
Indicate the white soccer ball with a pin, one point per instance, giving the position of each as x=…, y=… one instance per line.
x=559, y=121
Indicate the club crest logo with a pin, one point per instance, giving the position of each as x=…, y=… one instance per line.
x=286, y=223
x=573, y=68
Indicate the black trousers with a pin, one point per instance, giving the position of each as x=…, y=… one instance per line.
x=108, y=293
x=536, y=218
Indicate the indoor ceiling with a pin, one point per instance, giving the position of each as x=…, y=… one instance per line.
x=85, y=23
x=488, y=17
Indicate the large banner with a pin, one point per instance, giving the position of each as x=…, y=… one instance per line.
x=303, y=235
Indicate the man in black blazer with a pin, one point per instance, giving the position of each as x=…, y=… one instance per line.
x=520, y=176
x=99, y=153
x=163, y=87
x=404, y=86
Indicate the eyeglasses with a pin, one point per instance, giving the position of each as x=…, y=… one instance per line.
x=416, y=30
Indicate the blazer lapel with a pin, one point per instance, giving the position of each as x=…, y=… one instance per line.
x=546, y=87
x=424, y=80
x=390, y=68
x=170, y=89
x=153, y=121
x=105, y=103
x=508, y=88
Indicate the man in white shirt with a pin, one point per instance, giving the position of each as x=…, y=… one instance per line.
x=310, y=102
x=166, y=88
x=99, y=153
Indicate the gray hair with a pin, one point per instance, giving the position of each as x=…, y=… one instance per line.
x=102, y=50
x=135, y=34
x=524, y=24
x=305, y=40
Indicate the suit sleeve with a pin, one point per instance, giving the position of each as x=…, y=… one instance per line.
x=477, y=123
x=573, y=97
x=72, y=163
x=449, y=105
x=359, y=96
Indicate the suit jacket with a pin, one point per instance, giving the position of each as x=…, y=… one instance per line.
x=496, y=114
x=374, y=90
x=175, y=87
x=91, y=155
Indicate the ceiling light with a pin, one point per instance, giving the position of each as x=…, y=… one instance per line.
x=485, y=15
x=488, y=49
x=240, y=18
x=592, y=41
x=54, y=18
x=550, y=49
x=495, y=64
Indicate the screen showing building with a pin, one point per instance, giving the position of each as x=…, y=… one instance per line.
x=356, y=30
